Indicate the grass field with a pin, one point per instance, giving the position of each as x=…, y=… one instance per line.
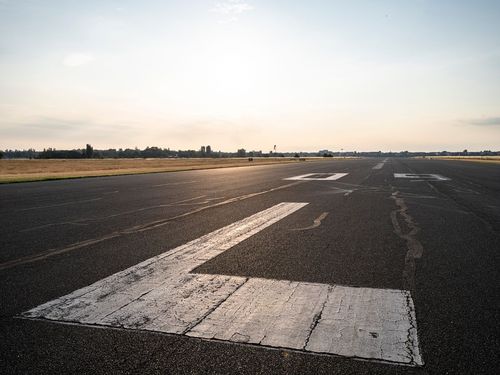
x=55, y=169
x=481, y=159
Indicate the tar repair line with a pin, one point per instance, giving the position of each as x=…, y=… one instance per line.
x=161, y=294
x=421, y=176
x=316, y=223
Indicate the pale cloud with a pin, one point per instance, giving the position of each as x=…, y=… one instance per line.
x=41, y=132
x=77, y=59
x=232, y=8
x=484, y=121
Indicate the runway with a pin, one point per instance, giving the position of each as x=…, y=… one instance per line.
x=339, y=266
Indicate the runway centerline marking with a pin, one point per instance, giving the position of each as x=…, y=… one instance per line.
x=162, y=294
x=317, y=177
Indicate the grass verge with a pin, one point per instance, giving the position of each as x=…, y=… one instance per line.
x=477, y=159
x=12, y=171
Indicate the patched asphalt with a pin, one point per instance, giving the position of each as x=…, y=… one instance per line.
x=455, y=280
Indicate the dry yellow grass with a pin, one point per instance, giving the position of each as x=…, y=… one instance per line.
x=37, y=170
x=480, y=159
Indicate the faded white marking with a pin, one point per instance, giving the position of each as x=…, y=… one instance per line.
x=316, y=222
x=421, y=176
x=325, y=177
x=59, y=204
x=379, y=166
x=160, y=294
x=85, y=221
x=205, y=201
x=135, y=229
x=174, y=183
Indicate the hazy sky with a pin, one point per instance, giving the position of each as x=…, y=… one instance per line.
x=305, y=75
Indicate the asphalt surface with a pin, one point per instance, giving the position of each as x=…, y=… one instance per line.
x=59, y=236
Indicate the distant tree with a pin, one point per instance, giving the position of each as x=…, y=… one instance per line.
x=1, y=154
x=241, y=153
x=89, y=151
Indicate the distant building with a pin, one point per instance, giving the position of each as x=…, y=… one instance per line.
x=202, y=149
x=209, y=150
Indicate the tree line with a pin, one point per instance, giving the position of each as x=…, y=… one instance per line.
x=206, y=152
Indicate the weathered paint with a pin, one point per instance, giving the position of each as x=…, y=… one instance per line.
x=161, y=294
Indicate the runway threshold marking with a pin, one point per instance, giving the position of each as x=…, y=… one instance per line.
x=317, y=177
x=421, y=176
x=162, y=294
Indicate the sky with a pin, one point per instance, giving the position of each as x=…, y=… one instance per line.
x=419, y=75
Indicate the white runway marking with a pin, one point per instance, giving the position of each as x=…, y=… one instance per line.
x=161, y=294
x=317, y=177
x=421, y=176
x=381, y=165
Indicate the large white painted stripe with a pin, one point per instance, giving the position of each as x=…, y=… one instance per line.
x=160, y=294
x=379, y=166
x=333, y=319
x=163, y=283
x=368, y=323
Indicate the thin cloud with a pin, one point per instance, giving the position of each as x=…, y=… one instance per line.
x=231, y=9
x=45, y=128
x=484, y=121
x=77, y=59
x=220, y=134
